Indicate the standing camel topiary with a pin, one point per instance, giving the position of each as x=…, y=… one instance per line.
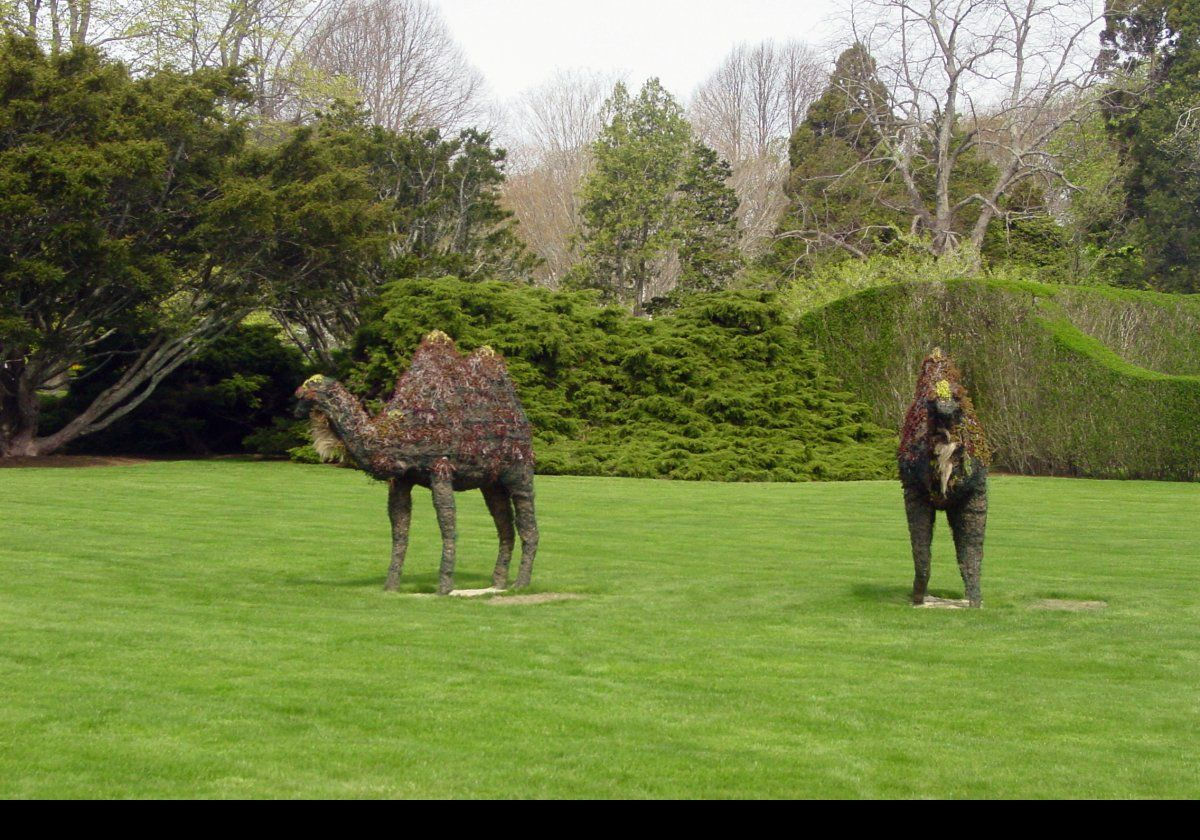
x=943, y=466
x=453, y=423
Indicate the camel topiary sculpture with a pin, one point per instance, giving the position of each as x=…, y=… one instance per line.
x=943, y=466
x=453, y=423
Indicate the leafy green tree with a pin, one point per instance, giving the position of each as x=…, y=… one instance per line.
x=439, y=200
x=129, y=206
x=1095, y=222
x=324, y=228
x=445, y=196
x=653, y=194
x=708, y=249
x=239, y=385
x=1155, y=119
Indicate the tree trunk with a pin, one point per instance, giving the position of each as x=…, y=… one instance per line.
x=18, y=412
x=19, y=384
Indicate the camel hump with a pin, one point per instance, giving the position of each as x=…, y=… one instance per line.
x=461, y=410
x=443, y=387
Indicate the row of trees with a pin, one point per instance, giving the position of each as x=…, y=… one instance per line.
x=1151, y=116
x=287, y=158
x=1056, y=133
x=396, y=57
x=744, y=112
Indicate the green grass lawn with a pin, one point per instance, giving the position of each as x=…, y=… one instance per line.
x=218, y=629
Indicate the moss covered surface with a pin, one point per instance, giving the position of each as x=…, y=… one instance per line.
x=722, y=389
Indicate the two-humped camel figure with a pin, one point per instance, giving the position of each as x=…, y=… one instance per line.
x=453, y=423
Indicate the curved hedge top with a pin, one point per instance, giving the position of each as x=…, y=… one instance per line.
x=1055, y=396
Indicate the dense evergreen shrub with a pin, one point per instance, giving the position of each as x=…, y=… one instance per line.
x=1060, y=375
x=721, y=389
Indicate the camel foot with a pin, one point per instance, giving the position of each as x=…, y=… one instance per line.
x=521, y=583
x=918, y=600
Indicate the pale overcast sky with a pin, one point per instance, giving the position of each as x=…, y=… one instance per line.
x=518, y=44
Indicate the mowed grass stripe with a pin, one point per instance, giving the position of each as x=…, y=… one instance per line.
x=218, y=629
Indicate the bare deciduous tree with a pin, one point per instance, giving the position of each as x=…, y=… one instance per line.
x=552, y=127
x=265, y=36
x=402, y=61
x=64, y=24
x=756, y=97
x=746, y=110
x=997, y=77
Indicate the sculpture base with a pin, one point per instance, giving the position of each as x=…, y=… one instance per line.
x=536, y=598
x=474, y=593
x=932, y=602
x=492, y=595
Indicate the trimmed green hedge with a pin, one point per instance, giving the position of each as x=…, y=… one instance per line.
x=723, y=389
x=1054, y=398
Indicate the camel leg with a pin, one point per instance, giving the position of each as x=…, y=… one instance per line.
x=443, y=504
x=501, y=509
x=522, y=497
x=920, y=532
x=968, y=522
x=400, y=512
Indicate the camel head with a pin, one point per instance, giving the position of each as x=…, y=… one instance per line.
x=945, y=406
x=316, y=399
x=316, y=393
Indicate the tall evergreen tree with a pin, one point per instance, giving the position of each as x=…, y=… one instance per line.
x=708, y=245
x=440, y=197
x=654, y=194
x=844, y=197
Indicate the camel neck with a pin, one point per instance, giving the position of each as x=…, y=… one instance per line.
x=350, y=422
